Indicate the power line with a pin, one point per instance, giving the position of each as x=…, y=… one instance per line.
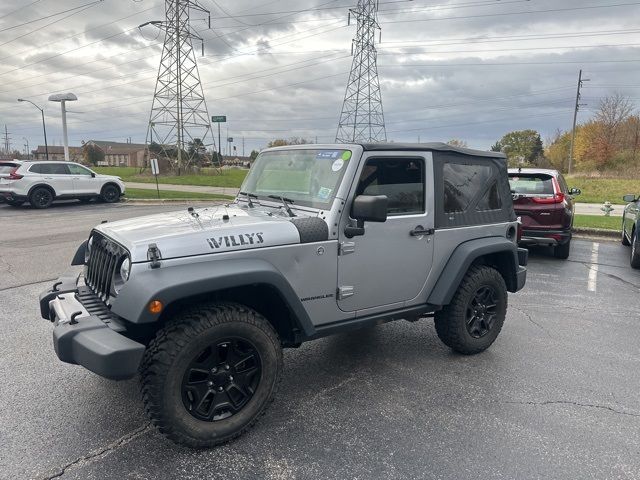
x=19, y=9
x=50, y=16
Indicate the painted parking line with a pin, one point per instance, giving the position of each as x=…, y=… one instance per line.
x=592, y=279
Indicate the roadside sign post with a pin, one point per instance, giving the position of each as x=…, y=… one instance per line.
x=219, y=119
x=155, y=170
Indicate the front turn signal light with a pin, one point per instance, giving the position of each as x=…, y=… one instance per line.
x=155, y=306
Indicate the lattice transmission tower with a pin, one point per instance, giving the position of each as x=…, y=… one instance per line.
x=179, y=124
x=362, y=117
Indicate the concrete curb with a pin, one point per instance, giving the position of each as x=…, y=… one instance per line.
x=596, y=232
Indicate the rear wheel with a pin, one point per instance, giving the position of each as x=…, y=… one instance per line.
x=41, y=197
x=474, y=318
x=110, y=193
x=210, y=374
x=635, y=250
x=562, y=251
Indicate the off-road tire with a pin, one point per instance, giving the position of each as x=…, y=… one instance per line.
x=562, y=251
x=170, y=354
x=623, y=238
x=635, y=250
x=451, y=321
x=110, y=193
x=41, y=197
x=14, y=203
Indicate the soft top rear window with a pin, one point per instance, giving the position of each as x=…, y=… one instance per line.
x=6, y=167
x=531, y=183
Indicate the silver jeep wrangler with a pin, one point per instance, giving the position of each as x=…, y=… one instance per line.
x=321, y=239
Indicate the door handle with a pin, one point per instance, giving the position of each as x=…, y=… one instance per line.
x=420, y=231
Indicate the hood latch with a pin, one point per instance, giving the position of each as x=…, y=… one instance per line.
x=154, y=255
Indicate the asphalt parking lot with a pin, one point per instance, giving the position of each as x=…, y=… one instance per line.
x=557, y=395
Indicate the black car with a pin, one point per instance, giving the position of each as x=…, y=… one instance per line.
x=630, y=219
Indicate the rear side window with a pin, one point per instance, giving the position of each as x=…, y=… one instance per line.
x=400, y=179
x=7, y=167
x=463, y=183
x=531, y=184
x=50, y=169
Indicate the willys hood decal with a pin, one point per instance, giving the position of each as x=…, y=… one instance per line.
x=200, y=231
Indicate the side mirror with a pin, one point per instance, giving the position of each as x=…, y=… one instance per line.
x=575, y=191
x=367, y=208
x=93, y=175
x=629, y=198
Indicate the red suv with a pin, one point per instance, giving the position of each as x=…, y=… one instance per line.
x=544, y=203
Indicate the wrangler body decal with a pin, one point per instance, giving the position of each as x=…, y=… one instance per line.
x=236, y=240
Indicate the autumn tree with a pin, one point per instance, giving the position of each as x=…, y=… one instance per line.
x=92, y=154
x=281, y=142
x=457, y=143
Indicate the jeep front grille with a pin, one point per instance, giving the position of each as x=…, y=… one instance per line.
x=104, y=259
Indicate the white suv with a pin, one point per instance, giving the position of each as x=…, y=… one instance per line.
x=42, y=182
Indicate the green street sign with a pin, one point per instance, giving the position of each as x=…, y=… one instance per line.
x=219, y=118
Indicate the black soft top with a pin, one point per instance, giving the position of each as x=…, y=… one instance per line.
x=421, y=147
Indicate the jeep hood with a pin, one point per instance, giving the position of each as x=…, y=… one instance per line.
x=205, y=230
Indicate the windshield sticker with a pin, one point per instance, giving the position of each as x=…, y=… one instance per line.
x=337, y=165
x=346, y=155
x=329, y=154
x=324, y=193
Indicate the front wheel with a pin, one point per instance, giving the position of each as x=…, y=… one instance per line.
x=474, y=318
x=110, y=194
x=210, y=374
x=623, y=238
x=635, y=250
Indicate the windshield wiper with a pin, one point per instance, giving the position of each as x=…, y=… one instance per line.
x=249, y=197
x=285, y=202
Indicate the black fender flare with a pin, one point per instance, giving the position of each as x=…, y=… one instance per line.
x=463, y=257
x=169, y=284
x=38, y=185
x=78, y=258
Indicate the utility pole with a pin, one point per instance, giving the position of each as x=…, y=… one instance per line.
x=243, y=146
x=575, y=118
x=362, y=117
x=179, y=119
x=7, y=140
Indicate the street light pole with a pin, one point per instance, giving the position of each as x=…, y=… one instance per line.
x=44, y=127
x=63, y=98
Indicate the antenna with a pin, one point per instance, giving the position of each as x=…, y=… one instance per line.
x=179, y=124
x=362, y=117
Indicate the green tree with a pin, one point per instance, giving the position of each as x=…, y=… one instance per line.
x=254, y=154
x=92, y=154
x=457, y=143
x=496, y=147
x=523, y=145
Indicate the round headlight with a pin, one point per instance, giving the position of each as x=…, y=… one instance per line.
x=87, y=251
x=125, y=269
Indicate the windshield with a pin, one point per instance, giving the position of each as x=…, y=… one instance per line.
x=307, y=177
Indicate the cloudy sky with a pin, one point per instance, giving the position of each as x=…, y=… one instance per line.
x=465, y=69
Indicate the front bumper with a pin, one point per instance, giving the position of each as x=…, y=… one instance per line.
x=86, y=333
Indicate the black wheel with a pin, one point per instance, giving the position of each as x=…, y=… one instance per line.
x=623, y=238
x=635, y=250
x=110, y=193
x=562, y=251
x=474, y=318
x=210, y=374
x=15, y=203
x=41, y=197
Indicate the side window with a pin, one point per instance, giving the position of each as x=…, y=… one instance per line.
x=78, y=170
x=59, y=169
x=37, y=168
x=400, y=179
x=463, y=183
x=491, y=200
